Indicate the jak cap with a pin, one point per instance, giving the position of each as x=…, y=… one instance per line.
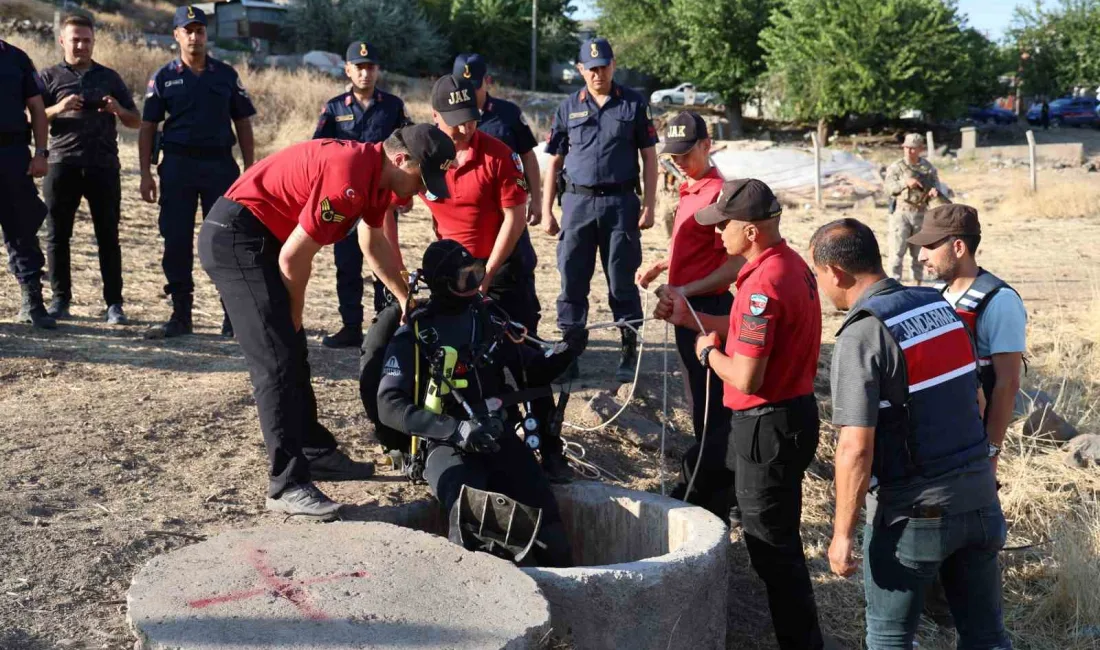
x=913, y=141
x=434, y=151
x=945, y=221
x=471, y=67
x=596, y=52
x=453, y=98
x=682, y=132
x=186, y=15
x=361, y=52
x=743, y=199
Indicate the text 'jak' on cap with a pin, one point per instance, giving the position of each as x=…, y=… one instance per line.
x=434, y=151
x=454, y=98
x=595, y=53
x=743, y=199
x=682, y=132
x=945, y=221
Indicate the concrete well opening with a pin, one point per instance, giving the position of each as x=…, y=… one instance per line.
x=650, y=571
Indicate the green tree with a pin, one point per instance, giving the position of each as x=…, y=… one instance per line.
x=832, y=58
x=1057, y=46
x=711, y=43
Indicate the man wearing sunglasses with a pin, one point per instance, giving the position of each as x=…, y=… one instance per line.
x=469, y=438
x=258, y=245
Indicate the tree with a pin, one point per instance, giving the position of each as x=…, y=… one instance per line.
x=832, y=58
x=711, y=43
x=1057, y=46
x=410, y=43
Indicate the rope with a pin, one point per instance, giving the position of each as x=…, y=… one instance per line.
x=706, y=410
x=664, y=417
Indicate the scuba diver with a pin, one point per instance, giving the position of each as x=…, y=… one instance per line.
x=445, y=383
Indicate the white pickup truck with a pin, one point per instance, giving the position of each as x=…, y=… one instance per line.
x=683, y=95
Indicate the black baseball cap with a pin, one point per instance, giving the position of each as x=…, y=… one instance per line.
x=743, y=199
x=595, y=52
x=453, y=98
x=472, y=67
x=944, y=221
x=361, y=52
x=682, y=132
x=435, y=153
x=186, y=15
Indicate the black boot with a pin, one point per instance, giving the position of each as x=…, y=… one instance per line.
x=227, y=327
x=59, y=307
x=180, y=321
x=349, y=336
x=628, y=358
x=33, y=311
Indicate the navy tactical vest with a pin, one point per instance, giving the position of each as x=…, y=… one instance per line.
x=938, y=429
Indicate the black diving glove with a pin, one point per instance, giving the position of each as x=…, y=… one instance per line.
x=479, y=436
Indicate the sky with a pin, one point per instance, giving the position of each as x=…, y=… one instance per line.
x=990, y=16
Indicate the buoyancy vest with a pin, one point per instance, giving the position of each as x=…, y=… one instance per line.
x=938, y=428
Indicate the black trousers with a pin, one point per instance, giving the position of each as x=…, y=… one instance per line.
x=513, y=472
x=241, y=256
x=770, y=449
x=21, y=214
x=63, y=187
x=714, y=486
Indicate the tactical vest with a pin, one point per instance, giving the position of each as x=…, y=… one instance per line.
x=969, y=308
x=937, y=429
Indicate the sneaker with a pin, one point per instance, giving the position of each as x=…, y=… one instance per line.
x=336, y=466
x=115, y=315
x=349, y=336
x=59, y=309
x=304, y=500
x=557, y=468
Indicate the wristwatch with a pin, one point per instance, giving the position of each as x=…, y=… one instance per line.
x=705, y=355
x=994, y=450
x=45, y=153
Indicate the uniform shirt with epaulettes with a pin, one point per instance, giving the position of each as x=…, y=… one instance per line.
x=910, y=199
x=601, y=143
x=344, y=118
x=197, y=110
x=19, y=82
x=504, y=121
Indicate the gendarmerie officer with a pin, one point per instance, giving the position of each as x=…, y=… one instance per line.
x=201, y=101
x=258, y=246
x=767, y=365
x=471, y=444
x=83, y=101
x=912, y=447
x=596, y=136
x=365, y=113
x=700, y=269
x=21, y=92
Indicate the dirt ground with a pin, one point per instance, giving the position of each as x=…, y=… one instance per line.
x=115, y=449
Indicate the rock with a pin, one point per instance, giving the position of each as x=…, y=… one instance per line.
x=640, y=430
x=1045, y=423
x=1084, y=451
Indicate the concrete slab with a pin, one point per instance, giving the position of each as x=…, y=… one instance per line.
x=342, y=585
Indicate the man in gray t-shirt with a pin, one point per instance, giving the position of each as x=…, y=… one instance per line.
x=903, y=384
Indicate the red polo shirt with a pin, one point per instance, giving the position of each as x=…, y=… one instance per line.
x=481, y=186
x=696, y=251
x=776, y=314
x=325, y=186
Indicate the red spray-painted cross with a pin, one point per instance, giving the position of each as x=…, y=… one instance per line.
x=291, y=590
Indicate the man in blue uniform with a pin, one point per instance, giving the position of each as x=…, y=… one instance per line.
x=595, y=137
x=201, y=101
x=363, y=114
x=21, y=90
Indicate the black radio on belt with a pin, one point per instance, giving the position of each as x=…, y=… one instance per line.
x=93, y=100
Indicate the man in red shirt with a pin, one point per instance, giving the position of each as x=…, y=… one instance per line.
x=700, y=270
x=772, y=340
x=258, y=244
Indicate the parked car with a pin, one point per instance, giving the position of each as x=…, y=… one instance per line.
x=1068, y=111
x=676, y=96
x=991, y=113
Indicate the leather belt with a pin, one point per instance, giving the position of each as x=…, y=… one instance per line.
x=202, y=153
x=608, y=189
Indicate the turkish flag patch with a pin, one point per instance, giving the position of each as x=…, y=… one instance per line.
x=754, y=330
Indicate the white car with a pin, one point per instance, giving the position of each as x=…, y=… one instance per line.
x=676, y=96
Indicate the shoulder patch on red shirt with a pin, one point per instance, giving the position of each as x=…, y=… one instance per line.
x=754, y=330
x=328, y=215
